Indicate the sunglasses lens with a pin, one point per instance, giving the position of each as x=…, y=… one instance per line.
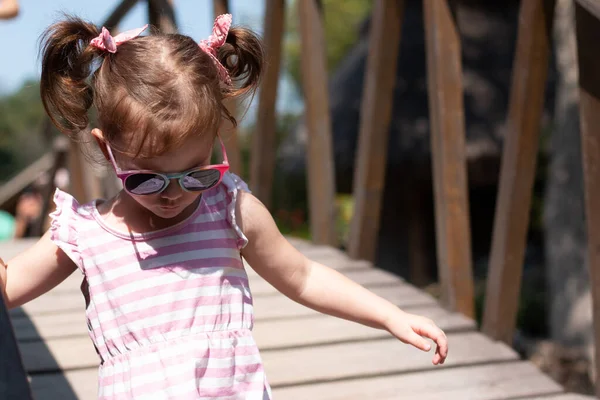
x=142, y=184
x=201, y=180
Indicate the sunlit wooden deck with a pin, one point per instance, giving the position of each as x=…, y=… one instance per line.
x=307, y=355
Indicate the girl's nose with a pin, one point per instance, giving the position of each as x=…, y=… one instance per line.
x=173, y=191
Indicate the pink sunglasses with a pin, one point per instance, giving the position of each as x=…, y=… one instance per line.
x=146, y=182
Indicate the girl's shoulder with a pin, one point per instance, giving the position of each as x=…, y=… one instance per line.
x=68, y=209
x=67, y=221
x=232, y=185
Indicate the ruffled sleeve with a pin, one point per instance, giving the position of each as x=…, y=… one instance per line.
x=234, y=184
x=63, y=227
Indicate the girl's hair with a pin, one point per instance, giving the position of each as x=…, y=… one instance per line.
x=154, y=92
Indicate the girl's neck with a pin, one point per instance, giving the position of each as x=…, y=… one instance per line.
x=123, y=213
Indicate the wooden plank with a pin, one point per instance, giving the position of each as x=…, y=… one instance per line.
x=483, y=382
x=161, y=14
x=530, y=70
x=264, y=138
x=70, y=385
x=51, y=304
x=489, y=382
x=293, y=365
x=562, y=396
x=369, y=278
x=60, y=318
x=369, y=359
x=276, y=309
x=13, y=379
x=444, y=84
x=118, y=13
x=375, y=116
x=321, y=180
x=76, y=351
x=59, y=354
x=322, y=329
x=588, y=32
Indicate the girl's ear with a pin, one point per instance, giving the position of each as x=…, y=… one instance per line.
x=99, y=136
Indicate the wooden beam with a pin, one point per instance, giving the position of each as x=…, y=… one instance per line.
x=264, y=138
x=162, y=15
x=118, y=13
x=376, y=112
x=231, y=138
x=13, y=379
x=446, y=113
x=321, y=180
x=222, y=7
x=517, y=175
x=588, y=32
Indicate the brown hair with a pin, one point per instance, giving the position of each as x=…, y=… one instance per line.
x=157, y=89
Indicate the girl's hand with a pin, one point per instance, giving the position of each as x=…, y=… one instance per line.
x=412, y=329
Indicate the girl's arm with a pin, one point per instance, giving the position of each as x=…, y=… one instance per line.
x=324, y=289
x=34, y=272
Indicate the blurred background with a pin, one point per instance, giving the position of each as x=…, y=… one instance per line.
x=554, y=319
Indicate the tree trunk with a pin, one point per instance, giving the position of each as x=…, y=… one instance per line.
x=568, y=278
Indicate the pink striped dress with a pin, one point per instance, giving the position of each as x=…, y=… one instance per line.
x=169, y=312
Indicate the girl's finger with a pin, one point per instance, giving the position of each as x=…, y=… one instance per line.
x=435, y=334
x=417, y=341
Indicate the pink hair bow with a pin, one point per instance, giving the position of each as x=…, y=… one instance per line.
x=106, y=42
x=216, y=40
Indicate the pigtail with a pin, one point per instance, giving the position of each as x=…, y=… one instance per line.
x=243, y=57
x=67, y=61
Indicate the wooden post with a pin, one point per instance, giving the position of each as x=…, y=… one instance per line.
x=231, y=138
x=13, y=378
x=444, y=78
x=222, y=7
x=85, y=185
x=118, y=13
x=517, y=174
x=321, y=180
x=264, y=138
x=162, y=15
x=375, y=116
x=588, y=32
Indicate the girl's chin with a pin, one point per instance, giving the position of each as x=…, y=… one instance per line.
x=168, y=212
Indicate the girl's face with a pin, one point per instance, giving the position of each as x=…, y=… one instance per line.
x=170, y=203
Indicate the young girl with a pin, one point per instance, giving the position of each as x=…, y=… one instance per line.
x=169, y=308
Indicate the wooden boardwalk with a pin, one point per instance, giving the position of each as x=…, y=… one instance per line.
x=307, y=355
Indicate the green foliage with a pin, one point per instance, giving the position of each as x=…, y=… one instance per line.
x=21, y=119
x=342, y=19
